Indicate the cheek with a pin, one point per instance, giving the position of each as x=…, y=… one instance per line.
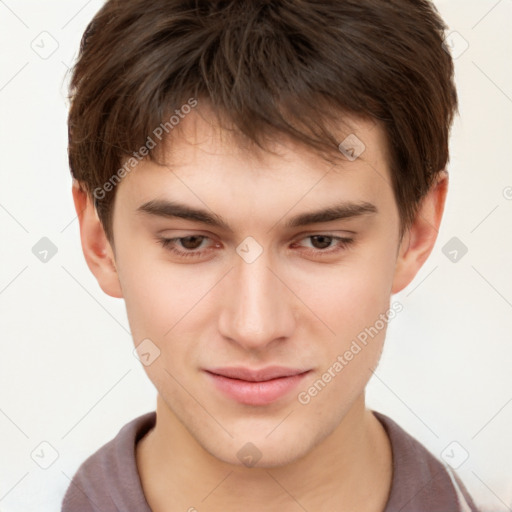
x=348, y=298
x=157, y=303
x=169, y=305
x=356, y=310
x=154, y=297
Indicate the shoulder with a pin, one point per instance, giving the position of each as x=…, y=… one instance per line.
x=420, y=481
x=108, y=480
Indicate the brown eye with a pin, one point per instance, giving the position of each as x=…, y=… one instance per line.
x=186, y=246
x=191, y=242
x=324, y=245
x=321, y=241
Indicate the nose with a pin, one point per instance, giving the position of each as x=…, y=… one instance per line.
x=258, y=310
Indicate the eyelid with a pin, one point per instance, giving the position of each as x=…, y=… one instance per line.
x=335, y=233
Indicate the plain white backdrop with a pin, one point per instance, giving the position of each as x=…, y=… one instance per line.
x=68, y=376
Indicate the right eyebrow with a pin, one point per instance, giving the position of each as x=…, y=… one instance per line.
x=173, y=209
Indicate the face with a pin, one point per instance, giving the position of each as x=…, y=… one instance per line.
x=256, y=309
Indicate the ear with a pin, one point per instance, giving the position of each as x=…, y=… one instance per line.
x=97, y=250
x=419, y=240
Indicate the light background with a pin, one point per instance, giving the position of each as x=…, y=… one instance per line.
x=68, y=376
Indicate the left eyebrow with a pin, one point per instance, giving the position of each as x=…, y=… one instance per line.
x=341, y=211
x=174, y=209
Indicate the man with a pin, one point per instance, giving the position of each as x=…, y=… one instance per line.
x=256, y=179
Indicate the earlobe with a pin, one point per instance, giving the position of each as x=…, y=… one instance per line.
x=420, y=238
x=97, y=250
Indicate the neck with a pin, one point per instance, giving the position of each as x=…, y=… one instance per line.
x=351, y=469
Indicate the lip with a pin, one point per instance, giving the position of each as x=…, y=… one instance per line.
x=256, y=387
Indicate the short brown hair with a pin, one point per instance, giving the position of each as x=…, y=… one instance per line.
x=275, y=66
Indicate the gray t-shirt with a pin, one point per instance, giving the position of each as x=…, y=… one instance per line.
x=108, y=480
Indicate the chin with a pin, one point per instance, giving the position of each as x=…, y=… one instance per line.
x=259, y=451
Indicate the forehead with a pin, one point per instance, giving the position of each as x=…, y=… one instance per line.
x=200, y=131
x=206, y=165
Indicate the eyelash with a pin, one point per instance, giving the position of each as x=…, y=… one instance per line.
x=343, y=243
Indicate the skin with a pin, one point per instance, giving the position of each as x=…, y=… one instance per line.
x=290, y=307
